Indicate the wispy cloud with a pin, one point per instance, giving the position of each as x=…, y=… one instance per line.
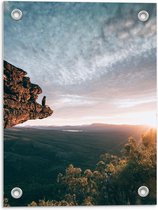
x=83, y=54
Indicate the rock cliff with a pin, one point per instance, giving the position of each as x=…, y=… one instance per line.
x=20, y=97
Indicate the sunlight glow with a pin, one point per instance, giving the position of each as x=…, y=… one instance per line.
x=136, y=118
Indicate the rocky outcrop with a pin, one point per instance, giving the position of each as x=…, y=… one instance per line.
x=20, y=97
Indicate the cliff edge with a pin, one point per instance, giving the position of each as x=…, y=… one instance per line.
x=20, y=97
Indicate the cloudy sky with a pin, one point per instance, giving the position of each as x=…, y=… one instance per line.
x=96, y=62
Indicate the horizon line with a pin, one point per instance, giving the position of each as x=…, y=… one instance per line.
x=117, y=124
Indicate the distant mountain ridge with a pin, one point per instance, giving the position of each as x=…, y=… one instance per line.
x=92, y=127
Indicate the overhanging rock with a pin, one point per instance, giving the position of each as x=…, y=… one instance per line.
x=20, y=97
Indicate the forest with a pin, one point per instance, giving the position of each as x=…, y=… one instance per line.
x=114, y=181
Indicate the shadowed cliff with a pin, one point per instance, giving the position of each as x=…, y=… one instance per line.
x=20, y=97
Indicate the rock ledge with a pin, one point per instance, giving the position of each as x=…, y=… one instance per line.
x=20, y=97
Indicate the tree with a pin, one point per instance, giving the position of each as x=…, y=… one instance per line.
x=136, y=167
x=115, y=180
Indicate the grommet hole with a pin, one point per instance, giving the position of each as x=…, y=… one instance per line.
x=16, y=14
x=143, y=191
x=16, y=192
x=143, y=15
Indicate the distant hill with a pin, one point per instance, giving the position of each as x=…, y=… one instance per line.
x=93, y=127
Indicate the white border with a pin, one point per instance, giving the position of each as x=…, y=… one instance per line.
x=1, y=110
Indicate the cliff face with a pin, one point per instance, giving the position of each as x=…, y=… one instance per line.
x=20, y=97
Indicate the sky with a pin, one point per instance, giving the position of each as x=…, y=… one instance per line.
x=95, y=62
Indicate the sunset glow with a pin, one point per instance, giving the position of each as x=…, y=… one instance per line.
x=142, y=118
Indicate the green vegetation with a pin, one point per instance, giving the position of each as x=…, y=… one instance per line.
x=115, y=180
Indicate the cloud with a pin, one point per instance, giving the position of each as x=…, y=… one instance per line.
x=132, y=103
x=82, y=54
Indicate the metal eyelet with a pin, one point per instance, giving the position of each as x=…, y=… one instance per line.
x=16, y=14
